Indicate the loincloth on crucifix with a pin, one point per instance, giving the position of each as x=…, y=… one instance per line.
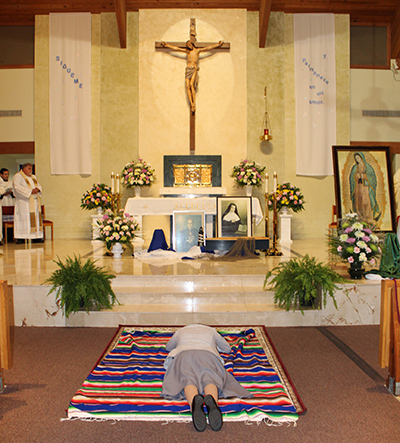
x=189, y=71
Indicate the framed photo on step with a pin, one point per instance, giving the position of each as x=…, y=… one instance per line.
x=234, y=216
x=185, y=229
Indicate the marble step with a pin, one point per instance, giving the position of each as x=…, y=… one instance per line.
x=188, y=284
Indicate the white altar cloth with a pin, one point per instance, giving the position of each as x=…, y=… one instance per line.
x=138, y=207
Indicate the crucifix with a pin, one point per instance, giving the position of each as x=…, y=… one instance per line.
x=192, y=48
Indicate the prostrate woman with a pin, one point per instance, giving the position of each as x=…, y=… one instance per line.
x=195, y=371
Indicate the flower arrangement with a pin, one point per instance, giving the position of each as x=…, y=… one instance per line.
x=248, y=173
x=99, y=196
x=137, y=173
x=355, y=241
x=117, y=228
x=287, y=196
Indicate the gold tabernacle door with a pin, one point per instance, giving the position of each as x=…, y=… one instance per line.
x=192, y=175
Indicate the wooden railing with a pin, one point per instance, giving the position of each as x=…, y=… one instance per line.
x=389, y=343
x=6, y=329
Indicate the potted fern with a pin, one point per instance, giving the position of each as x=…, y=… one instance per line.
x=81, y=286
x=301, y=282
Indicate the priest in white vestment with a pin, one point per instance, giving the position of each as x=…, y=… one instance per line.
x=27, y=215
x=7, y=199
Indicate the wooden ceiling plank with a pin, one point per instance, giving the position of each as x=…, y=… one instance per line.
x=22, y=12
x=395, y=42
x=120, y=10
x=264, y=13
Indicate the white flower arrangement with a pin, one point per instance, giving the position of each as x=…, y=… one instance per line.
x=137, y=173
x=117, y=228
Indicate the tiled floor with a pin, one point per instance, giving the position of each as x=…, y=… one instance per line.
x=171, y=291
x=33, y=264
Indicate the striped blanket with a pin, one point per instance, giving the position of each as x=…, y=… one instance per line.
x=126, y=382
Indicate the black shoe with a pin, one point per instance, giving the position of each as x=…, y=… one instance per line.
x=198, y=415
x=38, y=240
x=19, y=241
x=214, y=413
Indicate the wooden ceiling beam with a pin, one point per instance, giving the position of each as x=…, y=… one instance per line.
x=264, y=13
x=120, y=10
x=395, y=38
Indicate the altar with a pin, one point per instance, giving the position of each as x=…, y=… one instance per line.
x=139, y=207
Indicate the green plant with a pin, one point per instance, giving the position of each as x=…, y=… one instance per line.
x=81, y=286
x=298, y=282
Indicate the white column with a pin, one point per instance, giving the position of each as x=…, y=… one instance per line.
x=285, y=228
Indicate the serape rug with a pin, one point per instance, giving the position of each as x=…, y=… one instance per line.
x=126, y=382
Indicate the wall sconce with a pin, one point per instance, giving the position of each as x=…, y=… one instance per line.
x=266, y=127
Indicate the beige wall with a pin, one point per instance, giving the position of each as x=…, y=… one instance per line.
x=229, y=125
x=221, y=124
x=374, y=90
x=274, y=67
x=16, y=93
x=62, y=194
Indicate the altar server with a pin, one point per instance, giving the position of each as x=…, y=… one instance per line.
x=27, y=214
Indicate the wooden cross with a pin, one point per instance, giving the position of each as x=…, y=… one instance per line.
x=192, y=48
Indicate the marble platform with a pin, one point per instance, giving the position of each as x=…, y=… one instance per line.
x=177, y=292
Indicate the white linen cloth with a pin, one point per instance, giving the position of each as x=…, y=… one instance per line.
x=22, y=192
x=70, y=93
x=315, y=92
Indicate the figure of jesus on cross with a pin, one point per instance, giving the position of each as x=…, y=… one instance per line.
x=191, y=77
x=192, y=49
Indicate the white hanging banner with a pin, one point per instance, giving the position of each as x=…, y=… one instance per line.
x=315, y=83
x=70, y=93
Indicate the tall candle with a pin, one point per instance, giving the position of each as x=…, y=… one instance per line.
x=275, y=181
x=266, y=183
x=117, y=184
x=112, y=182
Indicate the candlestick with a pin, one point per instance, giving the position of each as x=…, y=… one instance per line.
x=117, y=184
x=112, y=182
x=275, y=181
x=266, y=183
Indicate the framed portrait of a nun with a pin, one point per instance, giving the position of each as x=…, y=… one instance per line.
x=234, y=217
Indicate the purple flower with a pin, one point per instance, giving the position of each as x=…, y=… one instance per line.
x=367, y=231
x=366, y=238
x=348, y=230
x=350, y=240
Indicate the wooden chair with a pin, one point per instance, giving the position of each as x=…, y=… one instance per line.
x=46, y=223
x=332, y=227
x=7, y=210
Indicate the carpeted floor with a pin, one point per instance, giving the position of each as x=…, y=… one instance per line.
x=335, y=371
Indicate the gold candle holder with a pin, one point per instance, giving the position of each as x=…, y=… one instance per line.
x=273, y=251
x=115, y=202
